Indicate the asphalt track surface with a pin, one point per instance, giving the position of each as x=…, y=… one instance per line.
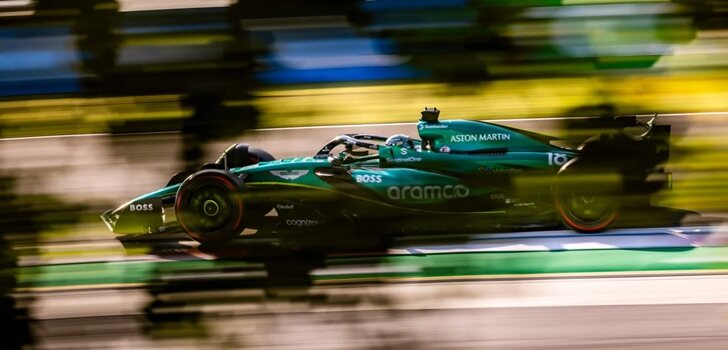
x=642, y=308
x=676, y=312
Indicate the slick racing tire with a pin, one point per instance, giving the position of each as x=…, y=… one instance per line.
x=240, y=155
x=209, y=206
x=587, y=198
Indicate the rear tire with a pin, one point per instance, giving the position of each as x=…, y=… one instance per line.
x=586, y=197
x=209, y=206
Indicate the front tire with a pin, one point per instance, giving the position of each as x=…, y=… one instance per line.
x=587, y=196
x=209, y=206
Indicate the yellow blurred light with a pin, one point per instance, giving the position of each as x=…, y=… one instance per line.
x=594, y=2
x=151, y=5
x=170, y=40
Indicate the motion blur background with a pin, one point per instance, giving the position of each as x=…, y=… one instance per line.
x=102, y=100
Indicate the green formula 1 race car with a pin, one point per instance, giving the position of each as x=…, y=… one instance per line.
x=459, y=175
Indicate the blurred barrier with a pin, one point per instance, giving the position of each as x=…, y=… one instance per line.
x=506, y=99
x=104, y=65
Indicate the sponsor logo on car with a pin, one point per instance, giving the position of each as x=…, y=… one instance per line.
x=407, y=160
x=427, y=192
x=141, y=207
x=367, y=178
x=480, y=137
x=302, y=222
x=445, y=149
x=284, y=206
x=435, y=126
x=557, y=158
x=289, y=174
x=490, y=170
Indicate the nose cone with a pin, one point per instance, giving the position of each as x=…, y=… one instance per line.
x=138, y=216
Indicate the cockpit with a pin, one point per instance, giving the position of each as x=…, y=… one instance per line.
x=351, y=148
x=400, y=140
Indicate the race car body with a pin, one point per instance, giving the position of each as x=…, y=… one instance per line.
x=457, y=174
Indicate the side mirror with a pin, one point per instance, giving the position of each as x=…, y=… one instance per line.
x=335, y=173
x=335, y=162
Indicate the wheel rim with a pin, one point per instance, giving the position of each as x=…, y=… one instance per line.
x=589, y=208
x=209, y=208
x=588, y=199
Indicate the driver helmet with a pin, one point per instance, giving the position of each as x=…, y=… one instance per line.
x=399, y=140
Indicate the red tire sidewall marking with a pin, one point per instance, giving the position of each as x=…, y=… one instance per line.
x=576, y=225
x=221, y=179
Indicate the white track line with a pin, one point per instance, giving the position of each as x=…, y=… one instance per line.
x=515, y=120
